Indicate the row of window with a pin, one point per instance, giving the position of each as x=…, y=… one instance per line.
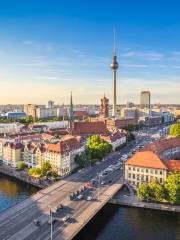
x=142, y=178
x=146, y=170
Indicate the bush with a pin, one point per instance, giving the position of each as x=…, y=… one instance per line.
x=21, y=166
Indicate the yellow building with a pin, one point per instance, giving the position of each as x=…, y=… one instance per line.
x=12, y=153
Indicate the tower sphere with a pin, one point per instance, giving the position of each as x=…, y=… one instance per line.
x=114, y=64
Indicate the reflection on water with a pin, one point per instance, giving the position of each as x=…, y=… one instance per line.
x=121, y=223
x=13, y=191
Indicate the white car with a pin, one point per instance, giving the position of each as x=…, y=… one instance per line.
x=89, y=198
x=80, y=196
x=66, y=218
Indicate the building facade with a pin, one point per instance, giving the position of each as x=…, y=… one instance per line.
x=143, y=167
x=145, y=99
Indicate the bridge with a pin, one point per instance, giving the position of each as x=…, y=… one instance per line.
x=17, y=223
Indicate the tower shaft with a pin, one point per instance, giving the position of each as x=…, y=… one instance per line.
x=114, y=112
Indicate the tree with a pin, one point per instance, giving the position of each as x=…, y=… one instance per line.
x=21, y=166
x=35, y=172
x=83, y=159
x=97, y=147
x=175, y=130
x=143, y=191
x=156, y=191
x=45, y=168
x=172, y=187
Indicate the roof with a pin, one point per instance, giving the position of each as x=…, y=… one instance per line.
x=14, y=145
x=146, y=159
x=81, y=113
x=47, y=136
x=89, y=128
x=113, y=137
x=161, y=146
x=66, y=144
x=173, y=165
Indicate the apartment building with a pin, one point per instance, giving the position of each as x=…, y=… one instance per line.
x=12, y=153
x=61, y=155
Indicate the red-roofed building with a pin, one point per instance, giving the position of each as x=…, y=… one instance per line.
x=89, y=128
x=143, y=167
x=116, y=139
x=173, y=165
x=61, y=155
x=81, y=114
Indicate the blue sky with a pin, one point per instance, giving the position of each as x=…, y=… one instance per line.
x=48, y=48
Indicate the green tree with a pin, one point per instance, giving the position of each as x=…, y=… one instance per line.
x=46, y=168
x=35, y=172
x=143, y=191
x=97, y=147
x=175, y=130
x=157, y=191
x=172, y=187
x=83, y=159
x=21, y=166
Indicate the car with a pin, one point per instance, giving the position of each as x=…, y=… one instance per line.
x=89, y=198
x=65, y=218
x=103, y=182
x=37, y=222
x=80, y=196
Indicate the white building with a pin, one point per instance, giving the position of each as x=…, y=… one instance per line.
x=129, y=112
x=46, y=112
x=10, y=127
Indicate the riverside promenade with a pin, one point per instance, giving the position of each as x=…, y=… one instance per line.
x=131, y=200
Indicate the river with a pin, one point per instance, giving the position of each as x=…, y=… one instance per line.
x=111, y=223
x=13, y=191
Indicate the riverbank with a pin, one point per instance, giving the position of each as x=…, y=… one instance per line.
x=22, y=176
x=124, y=198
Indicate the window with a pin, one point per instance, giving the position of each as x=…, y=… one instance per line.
x=156, y=171
x=147, y=170
x=133, y=176
x=160, y=180
x=138, y=178
x=129, y=175
x=134, y=168
x=129, y=168
x=142, y=169
x=142, y=177
x=147, y=179
x=160, y=172
x=138, y=169
x=152, y=171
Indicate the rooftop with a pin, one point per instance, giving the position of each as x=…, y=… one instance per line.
x=146, y=159
x=173, y=165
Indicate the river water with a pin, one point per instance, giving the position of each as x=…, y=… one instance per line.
x=111, y=223
x=13, y=191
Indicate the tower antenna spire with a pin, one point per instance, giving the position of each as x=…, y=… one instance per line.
x=114, y=42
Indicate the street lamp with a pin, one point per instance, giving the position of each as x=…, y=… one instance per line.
x=51, y=216
x=51, y=224
x=98, y=185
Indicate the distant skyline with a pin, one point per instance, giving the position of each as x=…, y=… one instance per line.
x=49, y=48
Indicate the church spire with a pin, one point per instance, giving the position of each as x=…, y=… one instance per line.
x=71, y=112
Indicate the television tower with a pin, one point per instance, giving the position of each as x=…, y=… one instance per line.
x=114, y=67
